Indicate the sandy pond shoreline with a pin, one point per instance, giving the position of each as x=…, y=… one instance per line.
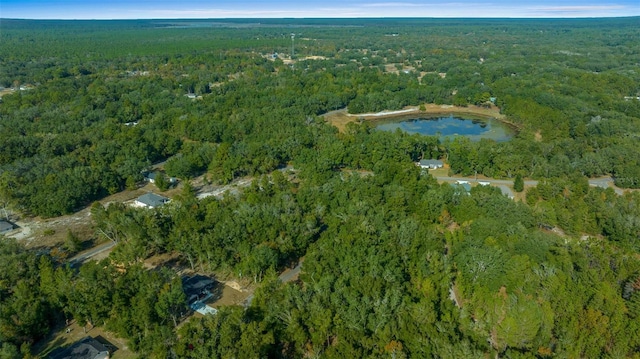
x=340, y=118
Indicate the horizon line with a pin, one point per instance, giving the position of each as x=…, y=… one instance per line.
x=331, y=18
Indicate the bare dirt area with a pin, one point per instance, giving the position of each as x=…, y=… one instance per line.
x=5, y=92
x=538, y=136
x=228, y=296
x=340, y=118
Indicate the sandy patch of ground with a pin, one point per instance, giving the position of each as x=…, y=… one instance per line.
x=538, y=136
x=228, y=296
x=5, y=92
x=314, y=58
x=340, y=118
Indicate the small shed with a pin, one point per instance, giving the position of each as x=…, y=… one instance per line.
x=431, y=164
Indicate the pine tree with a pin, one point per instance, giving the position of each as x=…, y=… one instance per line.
x=518, y=184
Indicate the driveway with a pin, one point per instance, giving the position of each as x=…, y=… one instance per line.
x=286, y=276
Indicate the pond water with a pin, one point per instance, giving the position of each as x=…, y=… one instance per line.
x=451, y=126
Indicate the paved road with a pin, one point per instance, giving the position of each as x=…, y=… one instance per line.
x=290, y=275
x=81, y=257
x=602, y=182
x=490, y=180
x=286, y=276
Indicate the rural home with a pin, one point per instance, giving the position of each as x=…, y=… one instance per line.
x=150, y=200
x=430, y=164
x=150, y=177
x=5, y=227
x=506, y=191
x=197, y=289
x=462, y=187
x=87, y=348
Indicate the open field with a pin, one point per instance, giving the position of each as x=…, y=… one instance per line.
x=340, y=118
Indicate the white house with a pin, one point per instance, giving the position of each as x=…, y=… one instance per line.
x=150, y=200
x=150, y=177
x=431, y=164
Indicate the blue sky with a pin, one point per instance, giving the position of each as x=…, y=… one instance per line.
x=144, y=9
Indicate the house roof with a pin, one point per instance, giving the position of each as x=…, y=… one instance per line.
x=152, y=200
x=195, y=284
x=87, y=348
x=5, y=226
x=430, y=163
x=465, y=186
x=506, y=191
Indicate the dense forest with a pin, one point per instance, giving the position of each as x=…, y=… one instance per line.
x=395, y=264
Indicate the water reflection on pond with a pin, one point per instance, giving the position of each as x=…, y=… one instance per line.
x=451, y=126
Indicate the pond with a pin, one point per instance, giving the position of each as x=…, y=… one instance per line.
x=450, y=127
